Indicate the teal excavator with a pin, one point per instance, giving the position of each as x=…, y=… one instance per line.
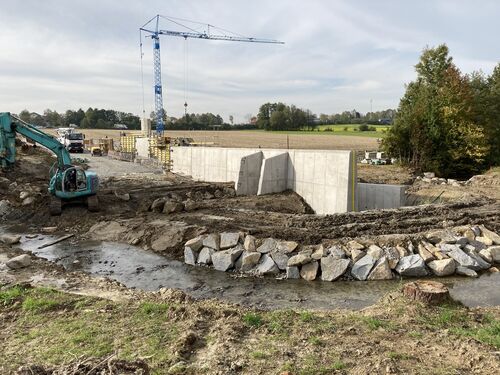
x=68, y=183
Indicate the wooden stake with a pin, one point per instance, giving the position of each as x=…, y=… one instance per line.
x=56, y=241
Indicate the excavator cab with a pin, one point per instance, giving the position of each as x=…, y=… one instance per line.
x=72, y=183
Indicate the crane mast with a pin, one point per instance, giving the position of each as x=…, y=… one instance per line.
x=155, y=33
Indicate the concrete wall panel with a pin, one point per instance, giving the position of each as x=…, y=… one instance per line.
x=247, y=182
x=378, y=196
x=273, y=174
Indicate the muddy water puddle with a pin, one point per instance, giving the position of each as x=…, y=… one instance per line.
x=138, y=268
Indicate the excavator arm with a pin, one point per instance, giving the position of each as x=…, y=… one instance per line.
x=10, y=125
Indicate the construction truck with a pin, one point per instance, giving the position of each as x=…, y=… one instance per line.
x=72, y=140
x=68, y=183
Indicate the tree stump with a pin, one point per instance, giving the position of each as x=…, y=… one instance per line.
x=429, y=292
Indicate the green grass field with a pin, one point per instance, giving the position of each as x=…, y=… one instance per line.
x=337, y=129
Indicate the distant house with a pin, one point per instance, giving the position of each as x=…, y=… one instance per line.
x=120, y=127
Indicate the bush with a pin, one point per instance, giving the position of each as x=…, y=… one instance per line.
x=363, y=127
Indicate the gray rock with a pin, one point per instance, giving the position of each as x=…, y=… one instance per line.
x=122, y=196
x=158, y=204
x=476, y=230
x=319, y=253
x=205, y=256
x=190, y=255
x=381, y=271
x=375, y=252
x=249, y=260
x=361, y=269
x=287, y=246
x=249, y=243
x=224, y=260
x=392, y=255
x=357, y=255
x=477, y=245
x=280, y=258
x=446, y=248
x=267, y=246
x=212, y=241
x=464, y=260
x=464, y=271
x=337, y=252
x=292, y=273
x=20, y=261
x=412, y=265
x=266, y=265
x=190, y=205
x=10, y=239
x=309, y=271
x=299, y=259
x=462, y=241
x=332, y=268
x=441, y=236
x=229, y=240
x=195, y=243
x=495, y=238
x=495, y=253
x=445, y=267
x=486, y=255
x=482, y=263
x=24, y=194
x=171, y=207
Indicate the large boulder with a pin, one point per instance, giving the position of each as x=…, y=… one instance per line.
x=20, y=261
x=292, y=273
x=484, y=265
x=412, y=265
x=354, y=245
x=403, y=251
x=441, y=236
x=249, y=260
x=205, y=256
x=229, y=240
x=280, y=258
x=224, y=260
x=309, y=271
x=266, y=265
x=381, y=271
x=464, y=271
x=249, y=243
x=484, y=240
x=361, y=269
x=392, y=255
x=267, y=246
x=425, y=254
x=319, y=253
x=212, y=241
x=332, y=268
x=10, y=239
x=375, y=252
x=190, y=256
x=287, y=246
x=195, y=243
x=495, y=253
x=487, y=255
x=445, y=267
x=357, y=255
x=464, y=260
x=495, y=238
x=337, y=252
x=300, y=259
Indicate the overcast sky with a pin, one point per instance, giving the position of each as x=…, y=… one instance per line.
x=338, y=54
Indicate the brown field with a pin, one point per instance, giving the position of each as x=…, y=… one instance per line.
x=257, y=139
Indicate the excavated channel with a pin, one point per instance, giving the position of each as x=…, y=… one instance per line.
x=138, y=268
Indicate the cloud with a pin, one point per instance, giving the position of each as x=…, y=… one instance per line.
x=338, y=54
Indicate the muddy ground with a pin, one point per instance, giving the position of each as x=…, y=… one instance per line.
x=172, y=333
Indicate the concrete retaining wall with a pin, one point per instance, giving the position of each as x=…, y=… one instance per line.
x=378, y=196
x=326, y=179
x=142, y=147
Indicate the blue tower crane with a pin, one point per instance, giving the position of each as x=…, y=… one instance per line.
x=155, y=32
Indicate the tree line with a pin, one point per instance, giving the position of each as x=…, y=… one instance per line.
x=92, y=118
x=447, y=122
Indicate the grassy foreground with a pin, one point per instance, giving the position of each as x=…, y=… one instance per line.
x=175, y=335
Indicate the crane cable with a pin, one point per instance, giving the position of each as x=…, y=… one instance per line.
x=185, y=75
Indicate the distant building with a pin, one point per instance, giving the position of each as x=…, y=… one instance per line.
x=120, y=127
